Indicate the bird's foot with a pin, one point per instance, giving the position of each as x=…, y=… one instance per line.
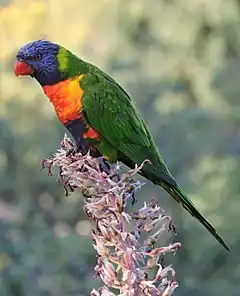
x=103, y=165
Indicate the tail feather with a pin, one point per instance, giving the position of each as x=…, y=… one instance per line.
x=179, y=195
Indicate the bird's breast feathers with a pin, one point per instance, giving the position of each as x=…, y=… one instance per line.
x=66, y=97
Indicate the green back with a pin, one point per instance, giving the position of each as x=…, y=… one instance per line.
x=108, y=108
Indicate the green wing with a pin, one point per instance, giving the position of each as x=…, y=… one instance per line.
x=110, y=111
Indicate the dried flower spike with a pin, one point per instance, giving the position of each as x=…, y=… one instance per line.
x=124, y=256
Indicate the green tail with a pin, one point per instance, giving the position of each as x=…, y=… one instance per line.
x=179, y=195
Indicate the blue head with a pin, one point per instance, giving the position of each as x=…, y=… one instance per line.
x=39, y=59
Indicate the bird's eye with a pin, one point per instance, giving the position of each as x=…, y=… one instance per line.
x=35, y=57
x=38, y=56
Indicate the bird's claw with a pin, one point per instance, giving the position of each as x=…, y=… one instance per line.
x=104, y=166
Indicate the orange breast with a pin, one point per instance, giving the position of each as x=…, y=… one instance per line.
x=66, y=97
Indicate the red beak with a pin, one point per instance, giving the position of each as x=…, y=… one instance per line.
x=22, y=68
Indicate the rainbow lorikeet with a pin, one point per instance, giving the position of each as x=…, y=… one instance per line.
x=100, y=115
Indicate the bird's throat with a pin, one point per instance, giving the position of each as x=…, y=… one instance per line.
x=66, y=97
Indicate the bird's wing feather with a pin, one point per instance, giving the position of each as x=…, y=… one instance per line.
x=110, y=111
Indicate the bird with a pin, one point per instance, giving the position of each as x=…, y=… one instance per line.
x=100, y=115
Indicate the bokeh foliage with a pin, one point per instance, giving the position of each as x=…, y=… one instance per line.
x=180, y=61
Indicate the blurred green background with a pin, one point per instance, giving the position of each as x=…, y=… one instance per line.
x=180, y=61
